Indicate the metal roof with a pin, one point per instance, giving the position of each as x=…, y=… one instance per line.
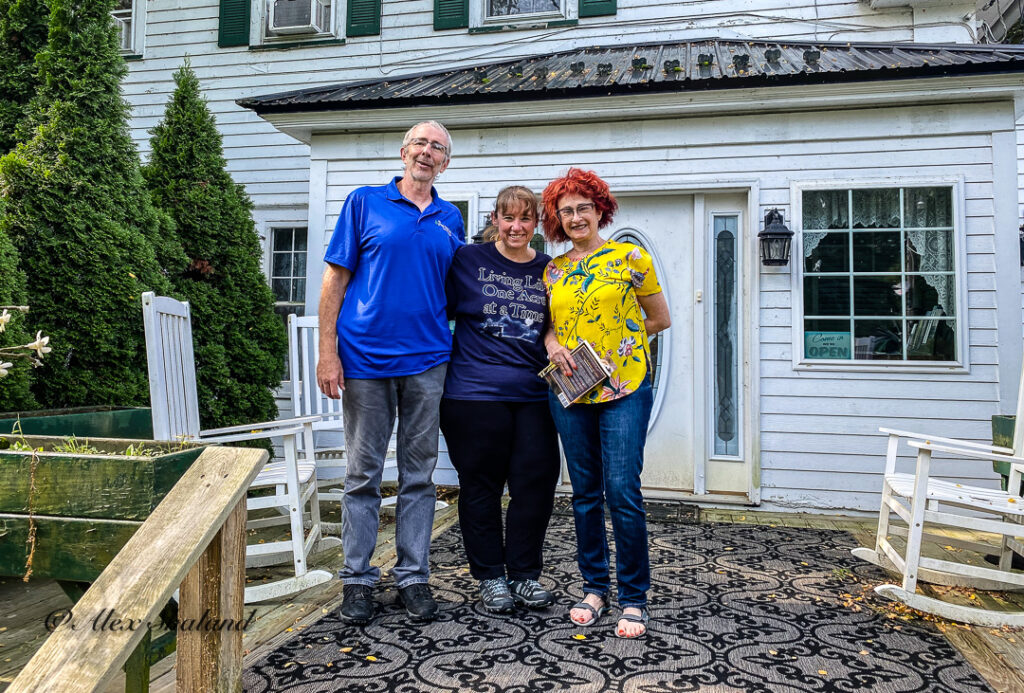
x=653, y=67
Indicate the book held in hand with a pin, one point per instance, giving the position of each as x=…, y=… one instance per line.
x=590, y=371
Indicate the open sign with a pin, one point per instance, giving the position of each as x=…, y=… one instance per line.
x=827, y=345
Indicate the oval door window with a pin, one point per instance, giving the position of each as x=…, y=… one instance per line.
x=659, y=343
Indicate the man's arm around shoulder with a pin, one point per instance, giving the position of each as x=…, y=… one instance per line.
x=329, y=374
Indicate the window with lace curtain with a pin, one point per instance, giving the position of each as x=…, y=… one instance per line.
x=879, y=275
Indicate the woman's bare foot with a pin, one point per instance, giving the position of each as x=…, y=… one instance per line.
x=585, y=617
x=629, y=628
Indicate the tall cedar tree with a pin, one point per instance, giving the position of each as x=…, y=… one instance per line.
x=240, y=343
x=77, y=209
x=22, y=36
x=14, y=388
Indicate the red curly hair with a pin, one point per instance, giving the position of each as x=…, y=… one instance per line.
x=583, y=184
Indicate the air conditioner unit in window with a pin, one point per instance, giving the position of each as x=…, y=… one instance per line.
x=300, y=16
x=123, y=23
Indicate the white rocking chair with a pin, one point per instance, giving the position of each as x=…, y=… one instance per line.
x=328, y=430
x=172, y=387
x=927, y=504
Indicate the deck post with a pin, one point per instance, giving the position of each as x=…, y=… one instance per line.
x=136, y=669
x=210, y=616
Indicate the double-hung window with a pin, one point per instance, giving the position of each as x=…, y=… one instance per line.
x=879, y=275
x=298, y=18
x=288, y=270
x=129, y=21
x=288, y=274
x=492, y=15
x=502, y=10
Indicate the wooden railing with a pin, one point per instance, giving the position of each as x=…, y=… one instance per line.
x=195, y=539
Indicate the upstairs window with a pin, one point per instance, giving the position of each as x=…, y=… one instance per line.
x=880, y=275
x=129, y=21
x=495, y=15
x=516, y=8
x=283, y=23
x=297, y=18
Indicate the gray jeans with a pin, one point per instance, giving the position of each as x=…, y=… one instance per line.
x=369, y=408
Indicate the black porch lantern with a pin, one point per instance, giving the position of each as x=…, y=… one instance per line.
x=775, y=240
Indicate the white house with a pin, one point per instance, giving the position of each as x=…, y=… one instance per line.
x=884, y=135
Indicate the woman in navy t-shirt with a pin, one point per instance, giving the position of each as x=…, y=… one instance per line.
x=494, y=414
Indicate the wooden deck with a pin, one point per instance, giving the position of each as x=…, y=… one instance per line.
x=998, y=655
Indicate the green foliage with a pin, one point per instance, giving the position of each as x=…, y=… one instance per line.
x=77, y=209
x=1015, y=34
x=22, y=36
x=240, y=343
x=14, y=388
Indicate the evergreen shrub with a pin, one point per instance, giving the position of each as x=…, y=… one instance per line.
x=78, y=211
x=240, y=343
x=14, y=387
x=22, y=36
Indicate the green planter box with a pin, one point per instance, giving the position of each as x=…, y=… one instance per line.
x=84, y=507
x=1002, y=435
x=82, y=422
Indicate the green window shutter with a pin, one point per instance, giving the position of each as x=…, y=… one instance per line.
x=234, y=23
x=363, y=18
x=451, y=14
x=597, y=8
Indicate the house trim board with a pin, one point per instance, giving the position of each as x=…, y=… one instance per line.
x=1007, y=260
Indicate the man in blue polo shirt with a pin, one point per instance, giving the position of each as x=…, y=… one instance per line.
x=384, y=348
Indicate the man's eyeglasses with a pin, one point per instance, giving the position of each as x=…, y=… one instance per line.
x=582, y=210
x=421, y=143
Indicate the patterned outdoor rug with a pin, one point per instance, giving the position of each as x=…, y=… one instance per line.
x=733, y=607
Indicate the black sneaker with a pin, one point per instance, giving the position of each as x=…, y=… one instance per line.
x=418, y=602
x=529, y=593
x=495, y=597
x=357, y=604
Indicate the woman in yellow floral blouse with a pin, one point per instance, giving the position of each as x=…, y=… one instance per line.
x=606, y=293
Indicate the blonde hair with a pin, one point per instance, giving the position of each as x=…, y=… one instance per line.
x=490, y=233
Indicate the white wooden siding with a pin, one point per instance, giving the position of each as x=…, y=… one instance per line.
x=274, y=168
x=819, y=442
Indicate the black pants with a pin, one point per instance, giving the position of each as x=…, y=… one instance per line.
x=491, y=443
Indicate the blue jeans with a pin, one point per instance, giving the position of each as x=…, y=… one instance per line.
x=368, y=408
x=604, y=452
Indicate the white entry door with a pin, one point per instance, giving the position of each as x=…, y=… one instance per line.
x=694, y=444
x=664, y=225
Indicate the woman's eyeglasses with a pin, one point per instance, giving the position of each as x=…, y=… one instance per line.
x=582, y=210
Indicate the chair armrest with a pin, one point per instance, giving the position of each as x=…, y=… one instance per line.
x=949, y=441
x=266, y=425
x=252, y=435
x=965, y=452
